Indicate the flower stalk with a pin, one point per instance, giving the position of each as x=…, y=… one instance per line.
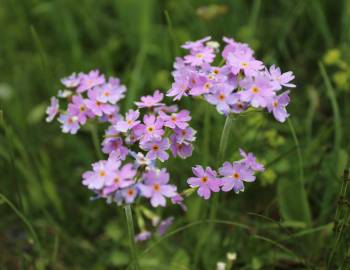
x=131, y=232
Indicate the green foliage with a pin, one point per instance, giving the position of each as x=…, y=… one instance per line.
x=283, y=221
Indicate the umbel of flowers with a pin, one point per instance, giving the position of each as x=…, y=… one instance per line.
x=138, y=143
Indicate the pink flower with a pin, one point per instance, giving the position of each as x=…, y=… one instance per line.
x=195, y=45
x=100, y=176
x=110, y=92
x=70, y=123
x=244, y=62
x=121, y=178
x=179, y=119
x=182, y=150
x=200, y=56
x=279, y=79
x=222, y=97
x=151, y=129
x=206, y=180
x=233, y=176
x=250, y=161
x=156, y=148
x=278, y=107
x=79, y=109
x=90, y=80
x=151, y=101
x=71, y=81
x=156, y=187
x=129, y=194
x=96, y=106
x=184, y=135
x=52, y=110
x=257, y=91
x=130, y=121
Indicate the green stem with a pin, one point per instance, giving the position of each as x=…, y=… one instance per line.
x=130, y=222
x=94, y=135
x=224, y=137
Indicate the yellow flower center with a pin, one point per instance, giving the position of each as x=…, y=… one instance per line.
x=235, y=175
x=102, y=173
x=199, y=55
x=156, y=187
x=204, y=179
x=155, y=147
x=244, y=64
x=255, y=90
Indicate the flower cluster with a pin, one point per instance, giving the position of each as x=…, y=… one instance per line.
x=231, y=176
x=88, y=95
x=135, y=143
x=240, y=82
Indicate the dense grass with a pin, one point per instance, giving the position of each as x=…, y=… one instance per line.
x=296, y=216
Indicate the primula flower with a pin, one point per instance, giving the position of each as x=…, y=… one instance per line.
x=70, y=123
x=151, y=129
x=244, y=61
x=151, y=101
x=164, y=225
x=184, y=135
x=222, y=98
x=278, y=79
x=109, y=92
x=79, y=108
x=200, y=56
x=156, y=148
x=100, y=176
x=206, y=180
x=156, y=187
x=90, y=80
x=71, y=81
x=179, y=119
x=278, y=107
x=130, y=121
x=97, y=107
x=130, y=193
x=257, y=91
x=52, y=110
x=233, y=176
x=250, y=161
x=182, y=150
x=122, y=177
x=195, y=45
x=143, y=236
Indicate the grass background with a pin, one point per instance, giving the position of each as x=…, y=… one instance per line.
x=283, y=221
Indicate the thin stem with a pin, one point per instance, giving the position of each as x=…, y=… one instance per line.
x=94, y=136
x=224, y=137
x=130, y=222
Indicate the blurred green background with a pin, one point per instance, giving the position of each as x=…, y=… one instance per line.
x=296, y=216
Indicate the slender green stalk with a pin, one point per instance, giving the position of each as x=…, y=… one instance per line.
x=25, y=221
x=94, y=136
x=130, y=222
x=215, y=198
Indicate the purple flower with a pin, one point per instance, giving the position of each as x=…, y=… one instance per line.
x=79, y=109
x=130, y=194
x=200, y=56
x=96, y=106
x=71, y=81
x=142, y=236
x=236, y=48
x=156, y=148
x=100, y=176
x=183, y=150
x=179, y=119
x=178, y=199
x=184, y=135
x=233, y=176
x=90, y=80
x=195, y=45
x=278, y=79
x=179, y=88
x=70, y=123
x=130, y=121
x=151, y=129
x=114, y=144
x=164, y=225
x=121, y=178
x=110, y=92
x=52, y=110
x=151, y=101
x=250, y=161
x=278, y=107
x=206, y=180
x=244, y=62
x=156, y=187
x=257, y=91
x=222, y=97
